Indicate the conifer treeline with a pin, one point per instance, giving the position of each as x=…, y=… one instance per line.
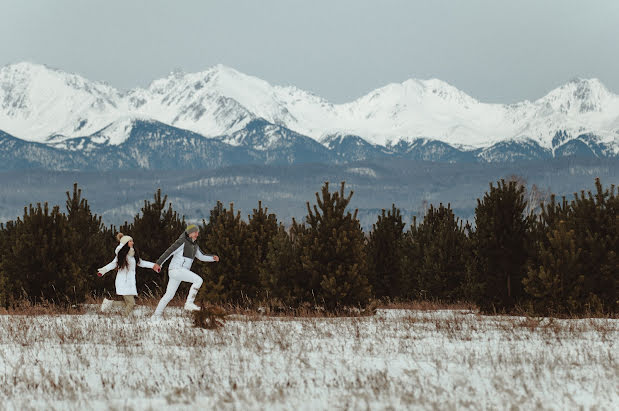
x=562, y=259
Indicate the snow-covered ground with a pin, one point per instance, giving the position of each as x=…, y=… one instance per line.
x=397, y=359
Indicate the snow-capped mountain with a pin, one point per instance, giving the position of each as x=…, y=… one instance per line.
x=39, y=104
x=17, y=154
x=278, y=144
x=354, y=148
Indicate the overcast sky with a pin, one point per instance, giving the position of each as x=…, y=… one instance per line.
x=496, y=51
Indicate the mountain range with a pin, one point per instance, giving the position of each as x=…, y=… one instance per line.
x=221, y=117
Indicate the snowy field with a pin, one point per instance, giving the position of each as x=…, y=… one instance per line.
x=397, y=359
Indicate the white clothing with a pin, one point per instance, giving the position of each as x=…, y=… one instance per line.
x=183, y=251
x=179, y=261
x=125, y=278
x=177, y=275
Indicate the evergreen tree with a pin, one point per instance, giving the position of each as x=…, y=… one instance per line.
x=499, y=248
x=281, y=273
x=557, y=283
x=40, y=263
x=411, y=263
x=444, y=250
x=7, y=282
x=154, y=230
x=595, y=221
x=93, y=240
x=543, y=227
x=385, y=254
x=332, y=252
x=233, y=278
x=576, y=264
x=262, y=228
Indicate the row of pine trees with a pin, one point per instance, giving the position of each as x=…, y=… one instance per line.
x=561, y=259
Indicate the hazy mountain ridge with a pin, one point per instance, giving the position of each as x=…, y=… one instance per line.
x=411, y=185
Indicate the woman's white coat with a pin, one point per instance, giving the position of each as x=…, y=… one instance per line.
x=125, y=278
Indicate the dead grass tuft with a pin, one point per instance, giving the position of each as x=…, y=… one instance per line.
x=209, y=317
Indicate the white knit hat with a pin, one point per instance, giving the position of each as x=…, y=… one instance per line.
x=123, y=239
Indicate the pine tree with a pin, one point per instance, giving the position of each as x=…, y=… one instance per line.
x=543, y=226
x=40, y=263
x=262, y=228
x=557, y=283
x=595, y=220
x=281, y=273
x=7, y=281
x=93, y=240
x=332, y=252
x=385, y=254
x=153, y=231
x=444, y=248
x=232, y=279
x=577, y=248
x=499, y=247
x=411, y=263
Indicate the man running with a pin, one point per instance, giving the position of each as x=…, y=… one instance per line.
x=183, y=252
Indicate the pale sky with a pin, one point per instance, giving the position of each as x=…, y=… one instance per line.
x=496, y=51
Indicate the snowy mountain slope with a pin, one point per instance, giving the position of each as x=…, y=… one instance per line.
x=37, y=102
x=42, y=104
x=16, y=154
x=279, y=145
x=431, y=150
x=151, y=145
x=354, y=148
x=514, y=150
x=156, y=146
x=206, y=102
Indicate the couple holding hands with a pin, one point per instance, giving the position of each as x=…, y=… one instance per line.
x=183, y=252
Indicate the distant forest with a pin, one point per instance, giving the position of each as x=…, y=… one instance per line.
x=411, y=185
x=523, y=249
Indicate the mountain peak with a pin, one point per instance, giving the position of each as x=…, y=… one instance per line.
x=29, y=67
x=37, y=101
x=419, y=92
x=578, y=96
x=592, y=82
x=223, y=69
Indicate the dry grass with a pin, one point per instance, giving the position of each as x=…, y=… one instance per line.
x=24, y=307
x=209, y=317
x=395, y=359
x=422, y=305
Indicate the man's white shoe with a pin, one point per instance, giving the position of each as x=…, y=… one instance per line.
x=191, y=307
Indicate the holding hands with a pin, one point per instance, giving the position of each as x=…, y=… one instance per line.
x=157, y=267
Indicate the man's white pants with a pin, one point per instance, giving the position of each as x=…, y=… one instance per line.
x=177, y=275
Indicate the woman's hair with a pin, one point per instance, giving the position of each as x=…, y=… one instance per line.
x=122, y=254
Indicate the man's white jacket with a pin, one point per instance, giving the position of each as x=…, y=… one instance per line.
x=183, y=252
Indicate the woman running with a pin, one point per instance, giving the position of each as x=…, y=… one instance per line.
x=127, y=258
